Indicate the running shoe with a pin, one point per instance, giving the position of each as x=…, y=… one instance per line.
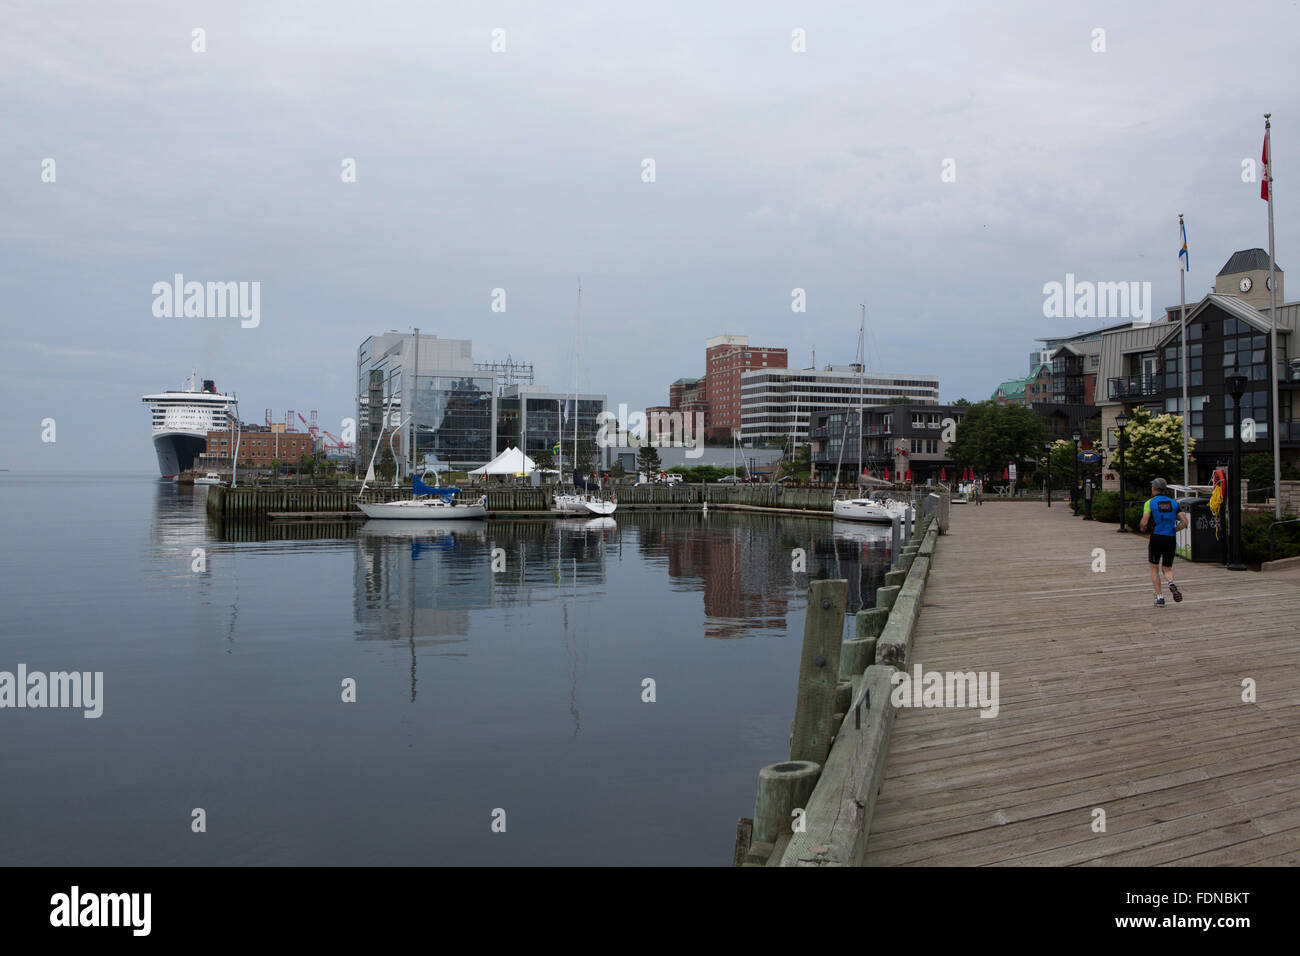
x=1160, y=600
x=1173, y=589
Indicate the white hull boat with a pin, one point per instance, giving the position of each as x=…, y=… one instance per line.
x=584, y=505
x=868, y=509
x=210, y=479
x=433, y=508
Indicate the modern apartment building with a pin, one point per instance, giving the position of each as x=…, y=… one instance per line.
x=776, y=406
x=726, y=359
x=901, y=438
x=1228, y=332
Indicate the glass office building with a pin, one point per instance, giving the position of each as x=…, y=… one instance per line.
x=438, y=405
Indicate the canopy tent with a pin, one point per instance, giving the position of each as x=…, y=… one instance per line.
x=512, y=461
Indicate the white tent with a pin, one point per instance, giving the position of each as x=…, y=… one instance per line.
x=512, y=461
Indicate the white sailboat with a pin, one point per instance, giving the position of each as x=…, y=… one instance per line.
x=877, y=507
x=425, y=503
x=580, y=502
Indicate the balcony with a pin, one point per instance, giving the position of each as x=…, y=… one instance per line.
x=1129, y=389
x=1288, y=375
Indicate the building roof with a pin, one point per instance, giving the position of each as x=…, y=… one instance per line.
x=1012, y=388
x=687, y=381
x=1038, y=370
x=1247, y=260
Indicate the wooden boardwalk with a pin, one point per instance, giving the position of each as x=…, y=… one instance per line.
x=1105, y=702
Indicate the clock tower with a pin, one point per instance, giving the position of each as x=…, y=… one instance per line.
x=1245, y=275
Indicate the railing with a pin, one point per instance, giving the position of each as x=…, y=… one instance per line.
x=1288, y=373
x=1270, y=534
x=1121, y=389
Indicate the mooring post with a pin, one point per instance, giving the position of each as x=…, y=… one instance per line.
x=819, y=669
x=895, y=538
x=782, y=789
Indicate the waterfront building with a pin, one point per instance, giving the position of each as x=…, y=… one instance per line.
x=534, y=419
x=454, y=403
x=727, y=358
x=776, y=406
x=259, y=447
x=898, y=437
x=1227, y=333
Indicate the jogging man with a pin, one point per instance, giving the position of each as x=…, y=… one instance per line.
x=1162, y=515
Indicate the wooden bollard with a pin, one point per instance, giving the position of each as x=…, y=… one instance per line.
x=843, y=692
x=895, y=577
x=819, y=669
x=856, y=656
x=782, y=789
x=871, y=622
x=885, y=597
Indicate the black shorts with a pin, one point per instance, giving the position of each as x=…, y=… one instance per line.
x=1160, y=548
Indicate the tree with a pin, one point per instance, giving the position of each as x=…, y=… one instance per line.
x=1153, y=448
x=988, y=436
x=1062, y=463
x=962, y=403
x=617, y=471
x=387, y=467
x=543, y=458
x=647, y=460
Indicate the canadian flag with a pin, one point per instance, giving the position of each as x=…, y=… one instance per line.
x=1263, y=183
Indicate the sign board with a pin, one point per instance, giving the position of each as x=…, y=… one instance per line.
x=1089, y=458
x=1011, y=470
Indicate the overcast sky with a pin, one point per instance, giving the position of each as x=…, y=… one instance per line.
x=523, y=170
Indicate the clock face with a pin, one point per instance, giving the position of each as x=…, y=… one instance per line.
x=1245, y=284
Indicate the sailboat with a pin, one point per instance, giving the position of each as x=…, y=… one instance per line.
x=425, y=503
x=581, y=501
x=876, y=508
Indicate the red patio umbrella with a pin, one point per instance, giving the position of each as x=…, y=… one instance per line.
x=908, y=476
x=886, y=474
x=1005, y=474
x=943, y=474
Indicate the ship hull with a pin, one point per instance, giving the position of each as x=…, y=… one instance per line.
x=177, y=452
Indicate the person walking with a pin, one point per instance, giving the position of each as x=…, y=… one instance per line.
x=1162, y=515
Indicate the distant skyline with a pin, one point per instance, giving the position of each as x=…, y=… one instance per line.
x=939, y=162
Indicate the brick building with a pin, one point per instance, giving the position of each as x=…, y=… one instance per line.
x=725, y=358
x=258, y=447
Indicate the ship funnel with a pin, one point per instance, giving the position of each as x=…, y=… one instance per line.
x=209, y=386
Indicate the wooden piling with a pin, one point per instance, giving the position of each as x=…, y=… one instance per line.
x=886, y=596
x=819, y=668
x=782, y=789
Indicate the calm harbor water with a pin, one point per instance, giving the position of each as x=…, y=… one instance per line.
x=519, y=689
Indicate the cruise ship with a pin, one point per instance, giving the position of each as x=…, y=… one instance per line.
x=182, y=420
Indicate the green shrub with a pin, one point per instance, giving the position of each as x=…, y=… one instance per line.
x=1254, y=538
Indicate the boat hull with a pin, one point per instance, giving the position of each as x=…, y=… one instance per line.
x=418, y=510
x=861, y=510
x=177, y=452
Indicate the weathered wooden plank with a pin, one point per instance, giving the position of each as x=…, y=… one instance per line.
x=819, y=669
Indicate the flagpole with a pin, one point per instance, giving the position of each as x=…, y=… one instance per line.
x=1272, y=313
x=1182, y=313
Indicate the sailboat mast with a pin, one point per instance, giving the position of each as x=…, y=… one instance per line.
x=862, y=367
x=577, y=327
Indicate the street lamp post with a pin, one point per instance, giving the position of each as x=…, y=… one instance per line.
x=1121, y=422
x=1236, y=385
x=1048, y=446
x=1074, y=488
